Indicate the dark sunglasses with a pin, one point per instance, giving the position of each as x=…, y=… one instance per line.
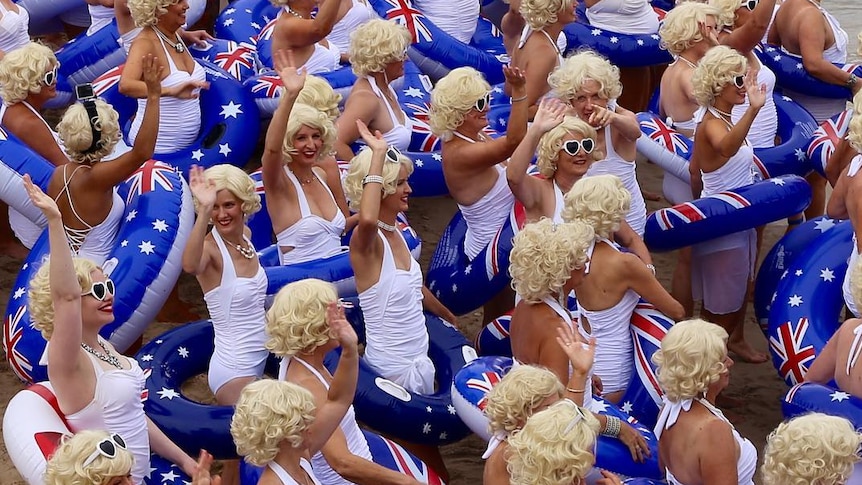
x=107, y=448
x=101, y=289
x=50, y=77
x=739, y=81
x=393, y=155
x=483, y=102
x=749, y=4
x=572, y=147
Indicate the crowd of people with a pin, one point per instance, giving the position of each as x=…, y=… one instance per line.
x=585, y=219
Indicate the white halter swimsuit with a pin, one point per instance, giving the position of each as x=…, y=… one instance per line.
x=399, y=135
x=855, y=165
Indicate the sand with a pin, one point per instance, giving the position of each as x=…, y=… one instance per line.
x=757, y=386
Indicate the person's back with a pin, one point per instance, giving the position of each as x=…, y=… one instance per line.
x=455, y=17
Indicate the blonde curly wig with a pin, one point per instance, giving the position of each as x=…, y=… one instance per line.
x=541, y=13
x=544, y=254
x=40, y=304
x=237, y=182
x=146, y=13
x=811, y=449
x=66, y=466
x=453, y=97
x=551, y=144
x=377, y=43
x=691, y=358
x=586, y=65
x=22, y=72
x=267, y=413
x=726, y=12
x=555, y=447
x=854, y=130
x=304, y=115
x=680, y=28
x=715, y=71
x=296, y=322
x=359, y=167
x=517, y=395
x=74, y=130
x=319, y=94
x=602, y=201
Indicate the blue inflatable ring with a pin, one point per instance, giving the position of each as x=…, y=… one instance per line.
x=808, y=397
x=791, y=74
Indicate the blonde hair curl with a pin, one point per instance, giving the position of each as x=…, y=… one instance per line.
x=691, y=358
x=74, y=129
x=359, y=167
x=40, y=303
x=66, y=466
x=680, y=28
x=296, y=322
x=377, y=43
x=305, y=115
x=726, y=12
x=714, y=71
x=22, y=72
x=237, y=182
x=602, y=201
x=146, y=13
x=551, y=143
x=319, y=94
x=577, y=69
x=541, y=13
x=517, y=395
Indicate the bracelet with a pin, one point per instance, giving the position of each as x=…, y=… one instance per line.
x=372, y=179
x=522, y=98
x=795, y=221
x=651, y=267
x=612, y=427
x=851, y=81
x=576, y=391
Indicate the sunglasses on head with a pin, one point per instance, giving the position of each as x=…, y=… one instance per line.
x=739, y=81
x=50, y=77
x=393, y=155
x=101, y=289
x=749, y=4
x=483, y=102
x=107, y=448
x=572, y=147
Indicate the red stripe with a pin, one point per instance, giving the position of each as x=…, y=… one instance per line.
x=51, y=399
x=645, y=366
x=646, y=325
x=405, y=468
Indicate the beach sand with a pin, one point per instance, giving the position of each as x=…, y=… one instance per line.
x=757, y=386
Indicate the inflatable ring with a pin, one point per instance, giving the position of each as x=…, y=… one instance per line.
x=726, y=212
x=16, y=159
x=825, y=139
x=225, y=135
x=242, y=20
x=384, y=452
x=265, y=88
x=791, y=74
x=473, y=382
x=145, y=264
x=33, y=427
x=808, y=397
x=807, y=305
x=777, y=261
x=623, y=50
x=239, y=59
x=463, y=285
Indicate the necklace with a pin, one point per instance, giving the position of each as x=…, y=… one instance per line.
x=386, y=227
x=106, y=357
x=293, y=12
x=690, y=64
x=178, y=45
x=247, y=251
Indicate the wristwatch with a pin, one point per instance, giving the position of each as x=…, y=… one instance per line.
x=851, y=81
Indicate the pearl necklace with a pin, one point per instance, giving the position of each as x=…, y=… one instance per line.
x=247, y=251
x=178, y=46
x=386, y=227
x=106, y=357
x=294, y=12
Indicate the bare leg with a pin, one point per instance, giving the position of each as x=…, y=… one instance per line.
x=736, y=343
x=228, y=394
x=681, y=282
x=818, y=199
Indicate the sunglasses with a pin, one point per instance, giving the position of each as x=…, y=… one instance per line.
x=739, y=81
x=483, y=102
x=749, y=4
x=101, y=289
x=393, y=155
x=50, y=77
x=572, y=147
x=107, y=448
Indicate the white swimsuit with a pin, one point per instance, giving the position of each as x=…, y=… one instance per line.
x=179, y=119
x=399, y=135
x=486, y=216
x=559, y=203
x=356, y=443
x=555, y=305
x=746, y=465
x=396, y=337
x=455, y=17
x=765, y=125
x=239, y=322
x=625, y=170
x=323, y=58
x=855, y=165
x=527, y=32
x=629, y=16
x=311, y=237
x=358, y=14
x=285, y=477
x=14, y=28
x=100, y=16
x=610, y=327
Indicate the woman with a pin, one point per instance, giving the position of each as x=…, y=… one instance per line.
x=814, y=448
x=473, y=164
x=14, y=27
x=181, y=79
x=96, y=387
x=85, y=188
x=306, y=217
x=277, y=424
x=591, y=85
x=723, y=267
x=614, y=281
x=90, y=457
x=697, y=444
x=524, y=391
x=378, y=50
x=547, y=262
x=301, y=336
x=305, y=34
x=537, y=53
x=230, y=275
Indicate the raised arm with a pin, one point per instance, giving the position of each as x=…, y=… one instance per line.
x=581, y=357
x=749, y=35
x=365, y=234
x=621, y=119
x=195, y=259
x=727, y=143
x=361, y=105
x=106, y=175
x=628, y=238
x=274, y=179
x=305, y=32
x=528, y=190
x=343, y=386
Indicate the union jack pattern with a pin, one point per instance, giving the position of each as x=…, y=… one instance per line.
x=648, y=325
x=658, y=131
x=485, y=384
x=499, y=327
x=12, y=333
x=107, y=80
x=517, y=219
x=269, y=84
x=731, y=198
x=789, y=349
x=402, y=12
x=149, y=177
x=266, y=31
x=826, y=136
x=408, y=466
x=238, y=57
x=685, y=212
x=421, y=127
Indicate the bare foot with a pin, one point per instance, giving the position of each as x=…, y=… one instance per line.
x=651, y=195
x=746, y=352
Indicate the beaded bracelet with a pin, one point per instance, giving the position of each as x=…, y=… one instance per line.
x=612, y=427
x=372, y=179
x=522, y=98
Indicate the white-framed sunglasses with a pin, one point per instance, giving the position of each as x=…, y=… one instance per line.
x=572, y=147
x=483, y=102
x=101, y=289
x=749, y=4
x=107, y=448
x=50, y=77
